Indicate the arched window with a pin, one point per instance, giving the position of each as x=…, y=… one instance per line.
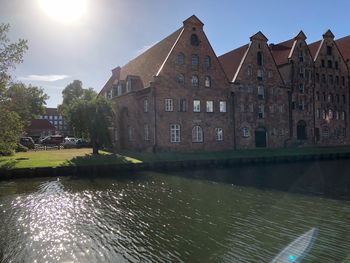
x=197, y=134
x=207, y=61
x=207, y=83
x=301, y=130
x=194, y=81
x=181, y=79
x=330, y=114
x=181, y=59
x=194, y=60
x=194, y=40
x=260, y=58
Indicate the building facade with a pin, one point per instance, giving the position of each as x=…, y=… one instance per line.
x=57, y=120
x=179, y=96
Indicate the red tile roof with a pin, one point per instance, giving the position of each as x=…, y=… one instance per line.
x=231, y=60
x=281, y=51
x=313, y=47
x=41, y=124
x=344, y=47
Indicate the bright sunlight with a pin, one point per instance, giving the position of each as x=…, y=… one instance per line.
x=64, y=11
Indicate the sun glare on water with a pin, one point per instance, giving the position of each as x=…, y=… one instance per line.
x=64, y=11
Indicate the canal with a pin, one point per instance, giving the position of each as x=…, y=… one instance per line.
x=163, y=217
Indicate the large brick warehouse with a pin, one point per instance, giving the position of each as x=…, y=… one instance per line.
x=179, y=96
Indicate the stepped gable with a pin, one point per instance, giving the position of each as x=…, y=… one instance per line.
x=231, y=60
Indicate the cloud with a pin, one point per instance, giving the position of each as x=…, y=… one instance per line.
x=45, y=78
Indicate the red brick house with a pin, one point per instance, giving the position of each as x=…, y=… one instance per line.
x=173, y=97
x=40, y=128
x=260, y=97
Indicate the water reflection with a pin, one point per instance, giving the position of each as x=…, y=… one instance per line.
x=157, y=218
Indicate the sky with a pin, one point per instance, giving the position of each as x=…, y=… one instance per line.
x=86, y=39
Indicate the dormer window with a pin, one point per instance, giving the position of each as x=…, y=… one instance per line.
x=260, y=58
x=194, y=40
x=119, y=90
x=128, y=85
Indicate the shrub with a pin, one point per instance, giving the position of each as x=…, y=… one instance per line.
x=21, y=148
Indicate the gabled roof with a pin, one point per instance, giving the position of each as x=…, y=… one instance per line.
x=281, y=51
x=148, y=63
x=344, y=47
x=231, y=60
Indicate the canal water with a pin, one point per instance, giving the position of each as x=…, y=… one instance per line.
x=155, y=217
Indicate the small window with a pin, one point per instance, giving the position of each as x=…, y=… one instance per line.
x=325, y=131
x=270, y=74
x=194, y=81
x=336, y=65
x=337, y=115
x=181, y=79
x=218, y=134
x=329, y=50
x=317, y=95
x=194, y=60
x=197, y=134
x=329, y=64
x=175, y=133
x=128, y=85
x=343, y=80
x=324, y=114
x=181, y=59
x=146, y=132
x=344, y=98
x=330, y=114
x=301, y=72
x=324, y=96
x=196, y=106
x=145, y=105
x=301, y=88
x=261, y=113
x=249, y=70
x=207, y=82
x=169, y=105
x=260, y=74
x=272, y=108
x=317, y=77
x=260, y=92
x=322, y=63
x=337, y=98
x=223, y=106
x=207, y=62
x=318, y=113
x=280, y=108
x=337, y=80
x=245, y=132
x=210, y=106
x=323, y=78
x=119, y=89
x=260, y=58
x=194, y=40
x=182, y=105
x=301, y=56
x=343, y=115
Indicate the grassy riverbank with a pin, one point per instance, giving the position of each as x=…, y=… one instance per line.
x=150, y=157
x=64, y=157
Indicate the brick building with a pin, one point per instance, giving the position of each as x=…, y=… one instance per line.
x=260, y=98
x=57, y=120
x=179, y=96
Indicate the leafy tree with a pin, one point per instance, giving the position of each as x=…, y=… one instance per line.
x=10, y=130
x=27, y=101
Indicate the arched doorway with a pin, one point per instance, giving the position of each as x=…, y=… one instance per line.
x=301, y=130
x=260, y=137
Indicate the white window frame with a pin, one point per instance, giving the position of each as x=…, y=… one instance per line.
x=245, y=132
x=223, y=106
x=145, y=105
x=207, y=82
x=197, y=134
x=196, y=106
x=219, y=134
x=210, y=106
x=261, y=112
x=175, y=133
x=146, y=132
x=169, y=105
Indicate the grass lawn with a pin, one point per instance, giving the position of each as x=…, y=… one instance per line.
x=54, y=158
x=149, y=157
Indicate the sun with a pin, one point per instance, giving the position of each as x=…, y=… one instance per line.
x=64, y=11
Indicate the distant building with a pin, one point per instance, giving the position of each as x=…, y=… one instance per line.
x=39, y=128
x=57, y=121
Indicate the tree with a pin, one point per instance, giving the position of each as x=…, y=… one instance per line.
x=27, y=101
x=10, y=130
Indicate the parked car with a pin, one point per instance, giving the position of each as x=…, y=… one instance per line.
x=70, y=142
x=27, y=142
x=82, y=143
x=52, y=140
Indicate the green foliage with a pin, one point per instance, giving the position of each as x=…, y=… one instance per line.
x=27, y=101
x=10, y=130
x=21, y=148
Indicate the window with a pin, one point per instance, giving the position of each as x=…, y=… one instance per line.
x=249, y=70
x=318, y=113
x=245, y=132
x=343, y=115
x=210, y=106
x=175, y=135
x=128, y=86
x=301, y=105
x=260, y=58
x=301, y=88
x=322, y=63
x=194, y=40
x=330, y=114
x=337, y=115
x=145, y=105
x=181, y=59
x=272, y=108
x=261, y=112
x=181, y=79
x=260, y=92
x=325, y=131
x=301, y=72
x=280, y=108
x=251, y=107
x=301, y=56
x=196, y=106
x=337, y=80
x=343, y=80
x=344, y=98
x=317, y=77
x=115, y=134
x=169, y=105
x=324, y=96
x=218, y=134
x=336, y=65
x=207, y=62
x=130, y=133
x=270, y=74
x=329, y=50
x=146, y=132
x=182, y=105
x=222, y=106
x=207, y=82
x=337, y=98
x=324, y=114
x=194, y=60
x=197, y=134
x=194, y=81
x=329, y=64
x=260, y=74
x=329, y=98
x=330, y=79
x=119, y=90
x=323, y=78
